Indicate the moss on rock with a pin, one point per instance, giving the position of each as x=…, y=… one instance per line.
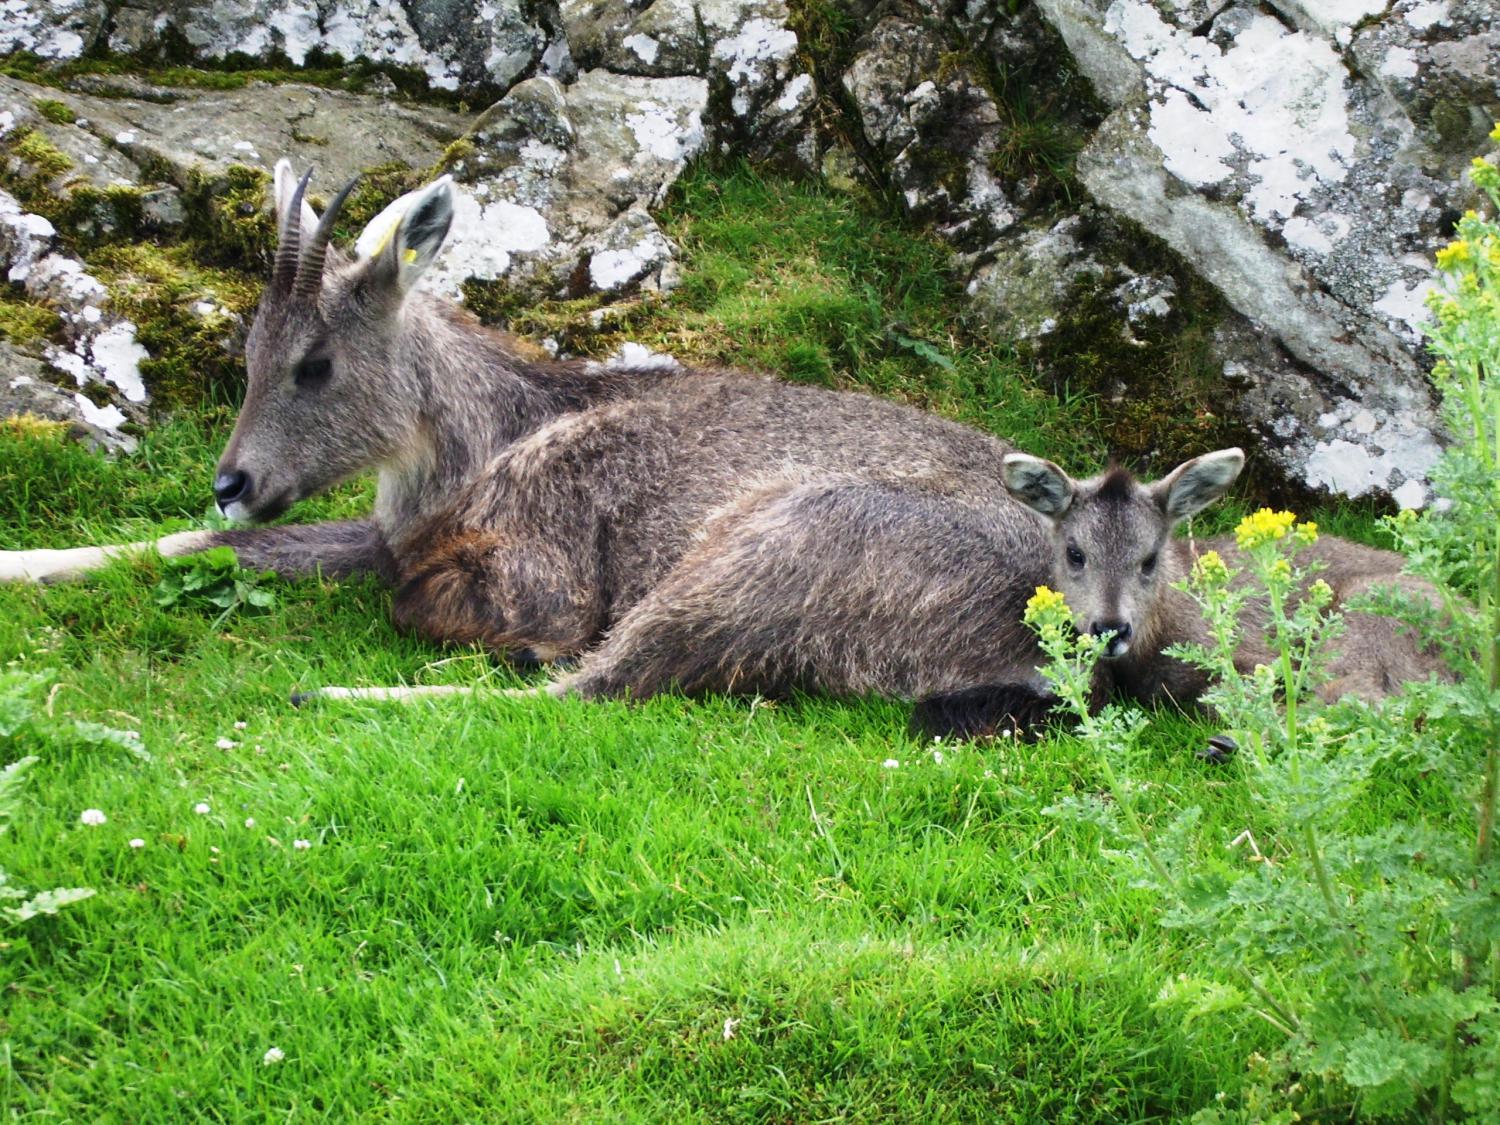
x=35, y=158
x=188, y=316
x=24, y=321
x=39, y=175
x=55, y=111
x=227, y=215
x=1158, y=380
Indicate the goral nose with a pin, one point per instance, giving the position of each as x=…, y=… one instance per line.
x=1118, y=633
x=230, y=487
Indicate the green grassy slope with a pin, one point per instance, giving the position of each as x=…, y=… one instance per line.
x=515, y=910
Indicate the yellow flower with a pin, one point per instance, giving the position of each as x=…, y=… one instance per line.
x=1281, y=569
x=1451, y=255
x=1495, y=132
x=1484, y=174
x=1320, y=594
x=1264, y=526
x=1210, y=569
x=1045, y=603
x=1306, y=533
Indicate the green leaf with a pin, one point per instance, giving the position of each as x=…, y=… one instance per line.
x=49, y=902
x=100, y=735
x=12, y=777
x=18, y=692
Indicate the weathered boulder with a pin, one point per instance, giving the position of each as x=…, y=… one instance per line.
x=935, y=127
x=166, y=134
x=25, y=392
x=456, y=44
x=98, y=347
x=556, y=182
x=1303, y=161
x=57, y=30
x=746, y=49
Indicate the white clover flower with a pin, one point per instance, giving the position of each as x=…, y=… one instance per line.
x=937, y=756
x=302, y=845
x=240, y=724
x=137, y=843
x=249, y=822
x=202, y=809
x=890, y=763
x=273, y=1056
x=226, y=744
x=92, y=817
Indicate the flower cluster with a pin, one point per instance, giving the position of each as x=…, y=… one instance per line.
x=1266, y=526
x=1209, y=570
x=1043, y=604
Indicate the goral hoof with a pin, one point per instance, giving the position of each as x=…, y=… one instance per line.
x=1220, y=748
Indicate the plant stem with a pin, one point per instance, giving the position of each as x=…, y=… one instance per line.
x=1127, y=809
x=1284, y=1021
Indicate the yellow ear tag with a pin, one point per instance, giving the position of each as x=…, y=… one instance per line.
x=410, y=256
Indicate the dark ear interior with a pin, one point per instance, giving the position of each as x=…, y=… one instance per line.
x=425, y=227
x=1196, y=484
x=1038, y=484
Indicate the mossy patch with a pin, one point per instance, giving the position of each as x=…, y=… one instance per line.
x=377, y=187
x=31, y=428
x=188, y=316
x=227, y=213
x=455, y=154
x=36, y=172
x=1159, y=384
x=24, y=321
x=55, y=111
x=39, y=158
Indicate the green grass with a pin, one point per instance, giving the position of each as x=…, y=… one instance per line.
x=701, y=910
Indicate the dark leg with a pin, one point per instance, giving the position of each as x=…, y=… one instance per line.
x=997, y=709
x=338, y=549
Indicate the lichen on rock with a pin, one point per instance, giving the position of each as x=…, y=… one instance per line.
x=554, y=176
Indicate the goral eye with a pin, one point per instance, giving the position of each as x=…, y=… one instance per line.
x=312, y=371
x=1148, y=566
x=1075, y=556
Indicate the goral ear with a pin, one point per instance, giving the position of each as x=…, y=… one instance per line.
x=1196, y=484
x=1040, y=485
x=404, y=239
x=283, y=189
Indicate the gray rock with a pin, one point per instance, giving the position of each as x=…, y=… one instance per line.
x=745, y=48
x=207, y=131
x=1022, y=290
x=92, y=160
x=1440, y=61
x=25, y=391
x=935, y=126
x=1282, y=165
x=456, y=44
x=24, y=239
x=57, y=30
x=557, y=177
x=99, y=346
x=1304, y=161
